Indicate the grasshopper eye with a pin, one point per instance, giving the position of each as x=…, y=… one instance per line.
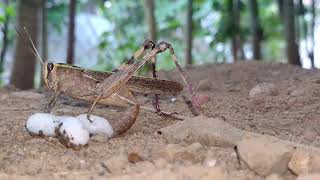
x=49, y=67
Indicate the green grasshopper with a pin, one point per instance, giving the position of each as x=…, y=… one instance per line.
x=114, y=88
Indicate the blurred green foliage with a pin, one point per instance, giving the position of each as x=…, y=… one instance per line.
x=7, y=15
x=8, y=11
x=57, y=14
x=130, y=30
x=212, y=28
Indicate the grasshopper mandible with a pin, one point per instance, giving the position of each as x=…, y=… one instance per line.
x=116, y=87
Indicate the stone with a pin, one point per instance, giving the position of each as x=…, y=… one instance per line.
x=274, y=177
x=203, y=99
x=144, y=166
x=244, y=175
x=265, y=155
x=175, y=152
x=304, y=162
x=310, y=134
x=220, y=157
x=263, y=89
x=309, y=177
x=160, y=163
x=204, y=85
x=134, y=157
x=194, y=147
x=116, y=164
x=173, y=100
x=297, y=92
x=160, y=175
x=207, y=131
x=209, y=162
x=198, y=172
x=169, y=151
x=189, y=172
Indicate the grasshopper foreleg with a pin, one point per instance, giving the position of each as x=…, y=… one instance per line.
x=52, y=102
x=156, y=99
x=91, y=108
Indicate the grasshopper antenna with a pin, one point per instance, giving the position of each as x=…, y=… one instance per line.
x=33, y=46
x=34, y=49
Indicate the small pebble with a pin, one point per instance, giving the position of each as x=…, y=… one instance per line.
x=173, y=100
x=203, y=99
x=134, y=157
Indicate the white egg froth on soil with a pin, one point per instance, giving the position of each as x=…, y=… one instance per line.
x=42, y=124
x=99, y=125
x=72, y=132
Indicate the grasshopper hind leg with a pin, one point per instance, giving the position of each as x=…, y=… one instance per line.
x=162, y=46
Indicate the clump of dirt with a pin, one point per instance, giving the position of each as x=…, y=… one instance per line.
x=290, y=114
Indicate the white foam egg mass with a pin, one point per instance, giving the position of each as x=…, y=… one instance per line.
x=98, y=125
x=42, y=124
x=72, y=132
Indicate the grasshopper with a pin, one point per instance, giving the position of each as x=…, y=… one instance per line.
x=115, y=88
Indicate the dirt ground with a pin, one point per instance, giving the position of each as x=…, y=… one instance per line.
x=293, y=114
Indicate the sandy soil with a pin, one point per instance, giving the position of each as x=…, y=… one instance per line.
x=292, y=115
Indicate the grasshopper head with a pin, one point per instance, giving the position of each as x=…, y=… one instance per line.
x=49, y=73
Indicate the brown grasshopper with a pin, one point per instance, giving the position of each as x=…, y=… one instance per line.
x=114, y=88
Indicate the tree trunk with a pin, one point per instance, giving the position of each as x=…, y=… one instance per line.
x=233, y=38
x=297, y=15
x=281, y=9
x=149, y=10
x=234, y=48
x=242, y=54
x=236, y=41
x=302, y=27
x=71, y=28
x=289, y=31
x=255, y=28
x=313, y=19
x=24, y=61
x=188, y=51
x=240, y=51
x=152, y=28
x=44, y=35
x=4, y=38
